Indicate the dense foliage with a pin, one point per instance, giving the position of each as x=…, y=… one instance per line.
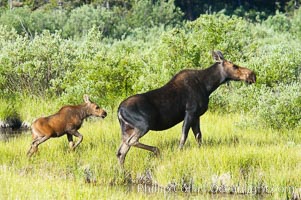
x=253, y=9
x=116, y=22
x=111, y=54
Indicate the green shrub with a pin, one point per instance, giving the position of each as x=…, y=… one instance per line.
x=82, y=19
x=26, y=22
x=275, y=59
x=32, y=66
x=113, y=22
x=52, y=21
x=234, y=98
x=231, y=35
x=279, y=107
x=104, y=71
x=148, y=14
x=272, y=107
x=278, y=22
x=296, y=24
x=17, y=19
x=109, y=69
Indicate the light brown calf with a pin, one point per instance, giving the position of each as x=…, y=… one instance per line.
x=66, y=121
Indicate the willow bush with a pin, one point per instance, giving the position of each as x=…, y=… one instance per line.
x=48, y=65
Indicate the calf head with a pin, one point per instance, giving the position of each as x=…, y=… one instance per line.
x=93, y=108
x=232, y=71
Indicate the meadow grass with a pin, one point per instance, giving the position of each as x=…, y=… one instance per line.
x=234, y=161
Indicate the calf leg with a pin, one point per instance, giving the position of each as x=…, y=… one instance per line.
x=32, y=149
x=197, y=131
x=70, y=140
x=35, y=137
x=35, y=144
x=80, y=139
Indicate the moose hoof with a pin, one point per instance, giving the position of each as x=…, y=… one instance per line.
x=181, y=147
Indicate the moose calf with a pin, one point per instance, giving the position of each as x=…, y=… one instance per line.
x=66, y=121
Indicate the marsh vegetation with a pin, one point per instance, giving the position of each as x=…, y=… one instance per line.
x=251, y=134
x=234, y=160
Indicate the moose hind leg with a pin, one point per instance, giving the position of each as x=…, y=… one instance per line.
x=153, y=149
x=126, y=132
x=134, y=141
x=185, y=129
x=197, y=131
x=121, y=153
x=130, y=137
x=35, y=144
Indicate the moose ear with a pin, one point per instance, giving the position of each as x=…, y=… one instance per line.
x=217, y=56
x=86, y=98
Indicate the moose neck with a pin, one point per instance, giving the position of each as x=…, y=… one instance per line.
x=83, y=111
x=214, y=77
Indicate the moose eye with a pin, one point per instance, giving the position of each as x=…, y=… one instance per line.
x=97, y=107
x=235, y=67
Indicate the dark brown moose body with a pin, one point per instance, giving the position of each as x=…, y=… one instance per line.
x=184, y=97
x=66, y=121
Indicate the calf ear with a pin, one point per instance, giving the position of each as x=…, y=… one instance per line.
x=86, y=98
x=217, y=56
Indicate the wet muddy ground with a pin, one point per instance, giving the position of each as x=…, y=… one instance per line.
x=9, y=133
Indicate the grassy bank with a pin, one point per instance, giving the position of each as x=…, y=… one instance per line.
x=233, y=157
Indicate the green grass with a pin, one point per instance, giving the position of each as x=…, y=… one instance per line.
x=231, y=156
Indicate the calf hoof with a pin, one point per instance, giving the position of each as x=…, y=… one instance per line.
x=156, y=152
x=31, y=151
x=71, y=145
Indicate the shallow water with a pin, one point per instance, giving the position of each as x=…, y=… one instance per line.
x=7, y=133
x=154, y=191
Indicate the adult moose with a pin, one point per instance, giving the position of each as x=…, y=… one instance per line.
x=184, y=97
x=66, y=121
